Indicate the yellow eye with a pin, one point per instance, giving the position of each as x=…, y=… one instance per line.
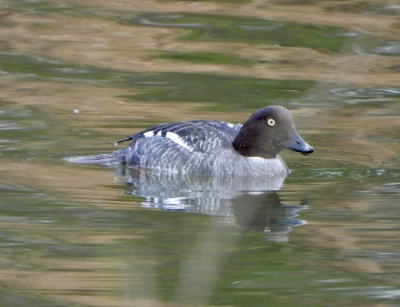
x=271, y=122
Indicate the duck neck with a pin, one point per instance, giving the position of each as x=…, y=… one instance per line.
x=250, y=143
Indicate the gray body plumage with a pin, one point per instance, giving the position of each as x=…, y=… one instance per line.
x=203, y=147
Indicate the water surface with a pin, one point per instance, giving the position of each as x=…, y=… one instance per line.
x=76, y=79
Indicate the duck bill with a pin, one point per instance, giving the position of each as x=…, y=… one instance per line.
x=296, y=143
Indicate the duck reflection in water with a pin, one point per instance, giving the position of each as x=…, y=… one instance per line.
x=249, y=202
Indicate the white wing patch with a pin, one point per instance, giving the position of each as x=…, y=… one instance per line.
x=149, y=134
x=180, y=141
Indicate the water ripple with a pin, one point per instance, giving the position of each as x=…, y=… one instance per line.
x=367, y=95
x=157, y=21
x=391, y=48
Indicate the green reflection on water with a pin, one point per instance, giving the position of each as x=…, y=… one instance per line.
x=34, y=66
x=363, y=7
x=249, y=30
x=205, y=57
x=224, y=92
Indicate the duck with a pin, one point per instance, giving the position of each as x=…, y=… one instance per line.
x=216, y=148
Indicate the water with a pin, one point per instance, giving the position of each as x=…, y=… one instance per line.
x=76, y=79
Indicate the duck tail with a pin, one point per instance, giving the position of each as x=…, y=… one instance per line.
x=104, y=159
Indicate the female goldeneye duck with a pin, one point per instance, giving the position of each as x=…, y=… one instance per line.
x=212, y=147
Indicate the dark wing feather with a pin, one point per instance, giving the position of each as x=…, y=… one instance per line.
x=196, y=136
